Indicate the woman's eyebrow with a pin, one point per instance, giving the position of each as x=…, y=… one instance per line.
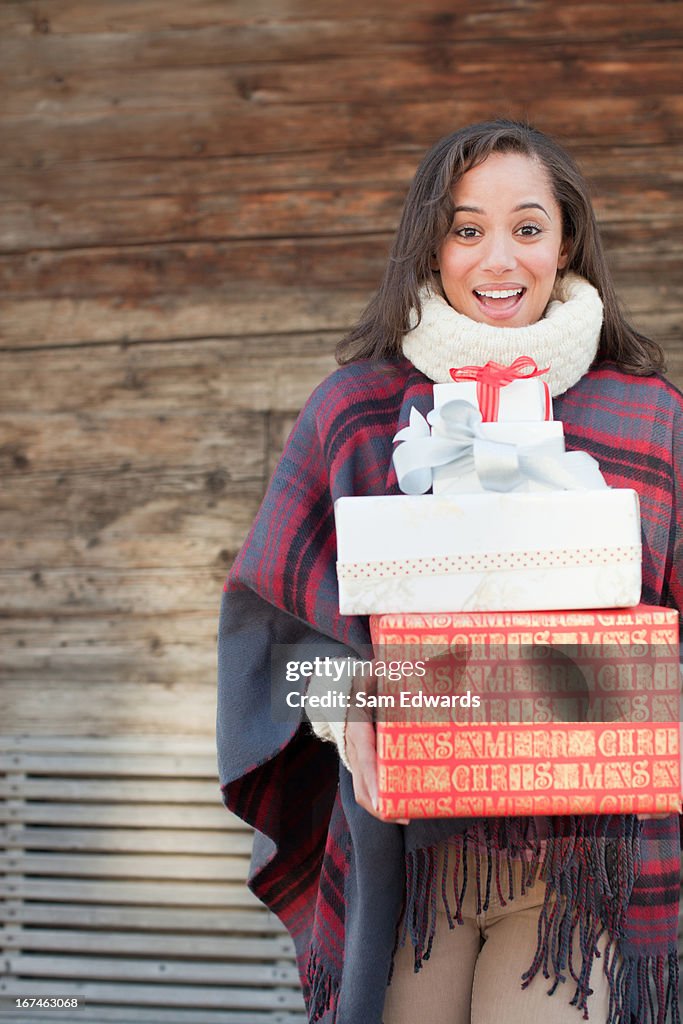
x=531, y=206
x=522, y=206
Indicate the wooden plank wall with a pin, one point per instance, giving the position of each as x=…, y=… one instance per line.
x=196, y=200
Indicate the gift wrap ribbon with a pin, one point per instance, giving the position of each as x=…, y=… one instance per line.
x=489, y=561
x=457, y=440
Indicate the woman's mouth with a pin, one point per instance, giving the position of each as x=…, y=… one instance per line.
x=499, y=302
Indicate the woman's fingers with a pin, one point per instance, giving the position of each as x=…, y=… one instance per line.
x=360, y=750
x=362, y=756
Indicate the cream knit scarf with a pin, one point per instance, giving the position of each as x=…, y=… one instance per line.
x=566, y=339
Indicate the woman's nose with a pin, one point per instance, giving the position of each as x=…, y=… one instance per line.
x=498, y=253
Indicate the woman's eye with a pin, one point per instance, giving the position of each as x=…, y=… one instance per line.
x=467, y=232
x=529, y=230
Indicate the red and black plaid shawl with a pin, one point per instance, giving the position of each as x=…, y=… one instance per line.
x=339, y=879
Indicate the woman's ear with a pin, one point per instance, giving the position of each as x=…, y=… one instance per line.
x=434, y=262
x=563, y=258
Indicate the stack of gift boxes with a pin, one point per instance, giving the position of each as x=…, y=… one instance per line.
x=533, y=681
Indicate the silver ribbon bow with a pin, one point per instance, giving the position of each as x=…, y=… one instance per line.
x=457, y=440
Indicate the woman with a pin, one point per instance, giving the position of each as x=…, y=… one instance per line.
x=497, y=255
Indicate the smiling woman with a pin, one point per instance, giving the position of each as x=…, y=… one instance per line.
x=497, y=256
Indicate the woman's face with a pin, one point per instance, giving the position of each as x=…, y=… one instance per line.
x=500, y=259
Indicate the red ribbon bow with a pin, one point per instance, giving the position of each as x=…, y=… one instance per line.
x=492, y=377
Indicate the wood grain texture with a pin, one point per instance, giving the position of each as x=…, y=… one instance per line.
x=237, y=129
x=397, y=76
x=294, y=30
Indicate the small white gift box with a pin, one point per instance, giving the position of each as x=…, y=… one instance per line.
x=523, y=398
x=488, y=552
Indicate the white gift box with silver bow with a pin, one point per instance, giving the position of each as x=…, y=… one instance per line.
x=450, y=479
x=489, y=552
x=523, y=424
x=463, y=455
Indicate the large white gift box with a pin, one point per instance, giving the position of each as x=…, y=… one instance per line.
x=488, y=552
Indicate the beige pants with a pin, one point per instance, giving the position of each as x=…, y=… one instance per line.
x=473, y=975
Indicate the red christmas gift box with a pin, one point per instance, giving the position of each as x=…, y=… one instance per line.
x=559, y=712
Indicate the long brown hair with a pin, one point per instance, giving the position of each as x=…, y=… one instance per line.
x=428, y=216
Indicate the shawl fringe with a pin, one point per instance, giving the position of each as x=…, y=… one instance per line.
x=323, y=989
x=589, y=866
x=493, y=848
x=648, y=985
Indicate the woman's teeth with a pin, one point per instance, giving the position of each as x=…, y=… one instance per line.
x=507, y=293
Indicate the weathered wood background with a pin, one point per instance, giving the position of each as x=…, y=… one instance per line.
x=196, y=200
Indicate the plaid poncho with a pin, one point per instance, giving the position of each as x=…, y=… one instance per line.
x=341, y=880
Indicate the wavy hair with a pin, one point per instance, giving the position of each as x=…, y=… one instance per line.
x=427, y=218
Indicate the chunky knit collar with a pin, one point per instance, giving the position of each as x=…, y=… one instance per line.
x=566, y=339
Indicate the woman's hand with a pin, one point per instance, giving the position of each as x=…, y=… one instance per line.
x=361, y=753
